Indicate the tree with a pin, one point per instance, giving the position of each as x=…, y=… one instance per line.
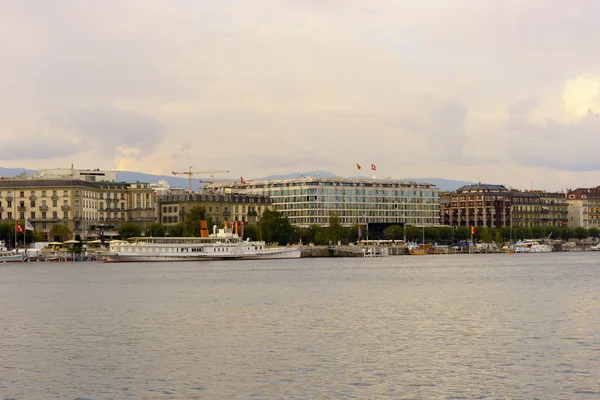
x=60, y=233
x=129, y=229
x=275, y=228
x=191, y=222
x=538, y=232
x=594, y=232
x=580, y=232
x=251, y=232
x=334, y=231
x=485, y=235
x=176, y=230
x=446, y=234
x=393, y=232
x=431, y=234
x=413, y=233
x=498, y=237
x=156, y=229
x=462, y=233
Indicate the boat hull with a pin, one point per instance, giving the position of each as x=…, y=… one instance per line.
x=10, y=259
x=266, y=254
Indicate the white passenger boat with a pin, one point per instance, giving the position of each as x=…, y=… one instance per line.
x=222, y=245
x=532, y=246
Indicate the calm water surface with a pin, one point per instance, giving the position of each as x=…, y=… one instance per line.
x=463, y=327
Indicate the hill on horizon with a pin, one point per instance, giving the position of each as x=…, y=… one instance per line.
x=174, y=181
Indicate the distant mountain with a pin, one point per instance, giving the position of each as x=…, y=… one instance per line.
x=129, y=176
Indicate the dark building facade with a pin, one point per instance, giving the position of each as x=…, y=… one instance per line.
x=479, y=205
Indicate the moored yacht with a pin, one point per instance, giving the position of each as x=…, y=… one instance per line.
x=532, y=246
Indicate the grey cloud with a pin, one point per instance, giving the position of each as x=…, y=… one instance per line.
x=28, y=148
x=558, y=146
x=104, y=129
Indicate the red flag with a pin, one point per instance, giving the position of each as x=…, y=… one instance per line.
x=373, y=167
x=242, y=180
x=473, y=230
x=19, y=228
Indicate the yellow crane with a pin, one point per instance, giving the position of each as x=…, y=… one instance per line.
x=191, y=173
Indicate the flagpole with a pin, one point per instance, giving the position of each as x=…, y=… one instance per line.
x=15, y=214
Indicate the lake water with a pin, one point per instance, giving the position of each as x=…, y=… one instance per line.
x=456, y=327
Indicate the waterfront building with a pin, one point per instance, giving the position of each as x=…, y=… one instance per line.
x=311, y=200
x=445, y=207
x=479, y=205
x=525, y=209
x=78, y=204
x=584, y=207
x=554, y=208
x=220, y=207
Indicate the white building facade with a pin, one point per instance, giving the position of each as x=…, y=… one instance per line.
x=308, y=201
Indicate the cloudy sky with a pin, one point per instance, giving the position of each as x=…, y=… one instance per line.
x=498, y=91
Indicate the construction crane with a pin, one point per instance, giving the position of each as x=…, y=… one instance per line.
x=190, y=174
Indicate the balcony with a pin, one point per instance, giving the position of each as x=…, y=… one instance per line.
x=54, y=197
x=65, y=207
x=1, y=208
x=21, y=208
x=32, y=197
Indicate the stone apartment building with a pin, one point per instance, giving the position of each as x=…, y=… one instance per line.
x=220, y=207
x=80, y=205
x=584, y=207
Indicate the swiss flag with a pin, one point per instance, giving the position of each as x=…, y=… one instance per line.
x=19, y=228
x=373, y=167
x=242, y=180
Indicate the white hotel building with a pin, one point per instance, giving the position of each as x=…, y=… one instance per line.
x=311, y=200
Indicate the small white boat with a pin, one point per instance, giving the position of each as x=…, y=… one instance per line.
x=9, y=256
x=595, y=247
x=532, y=246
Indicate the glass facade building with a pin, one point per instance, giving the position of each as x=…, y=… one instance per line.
x=308, y=201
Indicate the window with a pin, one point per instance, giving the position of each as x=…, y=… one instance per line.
x=65, y=193
x=65, y=214
x=54, y=203
x=9, y=203
x=43, y=193
x=22, y=215
x=33, y=215
x=65, y=202
x=43, y=214
x=33, y=203
x=54, y=215
x=22, y=194
x=9, y=215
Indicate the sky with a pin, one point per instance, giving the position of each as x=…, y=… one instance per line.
x=497, y=91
